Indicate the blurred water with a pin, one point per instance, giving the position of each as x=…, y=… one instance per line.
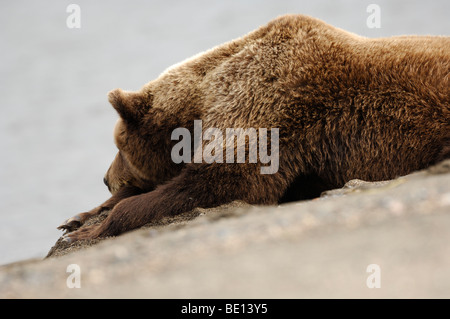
x=55, y=123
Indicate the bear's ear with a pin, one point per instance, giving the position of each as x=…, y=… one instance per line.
x=131, y=106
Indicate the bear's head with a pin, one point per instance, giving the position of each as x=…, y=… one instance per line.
x=143, y=160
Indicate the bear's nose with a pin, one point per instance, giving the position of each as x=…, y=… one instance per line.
x=105, y=181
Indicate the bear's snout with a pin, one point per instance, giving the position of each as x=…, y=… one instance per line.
x=106, y=183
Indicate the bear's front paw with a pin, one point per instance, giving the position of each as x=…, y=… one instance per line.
x=72, y=223
x=78, y=220
x=87, y=232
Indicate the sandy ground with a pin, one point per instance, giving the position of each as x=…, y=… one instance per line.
x=62, y=248
x=312, y=249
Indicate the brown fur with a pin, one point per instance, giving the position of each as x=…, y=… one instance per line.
x=347, y=107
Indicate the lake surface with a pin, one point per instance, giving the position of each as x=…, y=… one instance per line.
x=56, y=124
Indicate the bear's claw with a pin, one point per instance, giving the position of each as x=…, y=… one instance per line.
x=67, y=239
x=71, y=224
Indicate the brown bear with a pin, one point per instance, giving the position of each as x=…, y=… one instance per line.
x=345, y=107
